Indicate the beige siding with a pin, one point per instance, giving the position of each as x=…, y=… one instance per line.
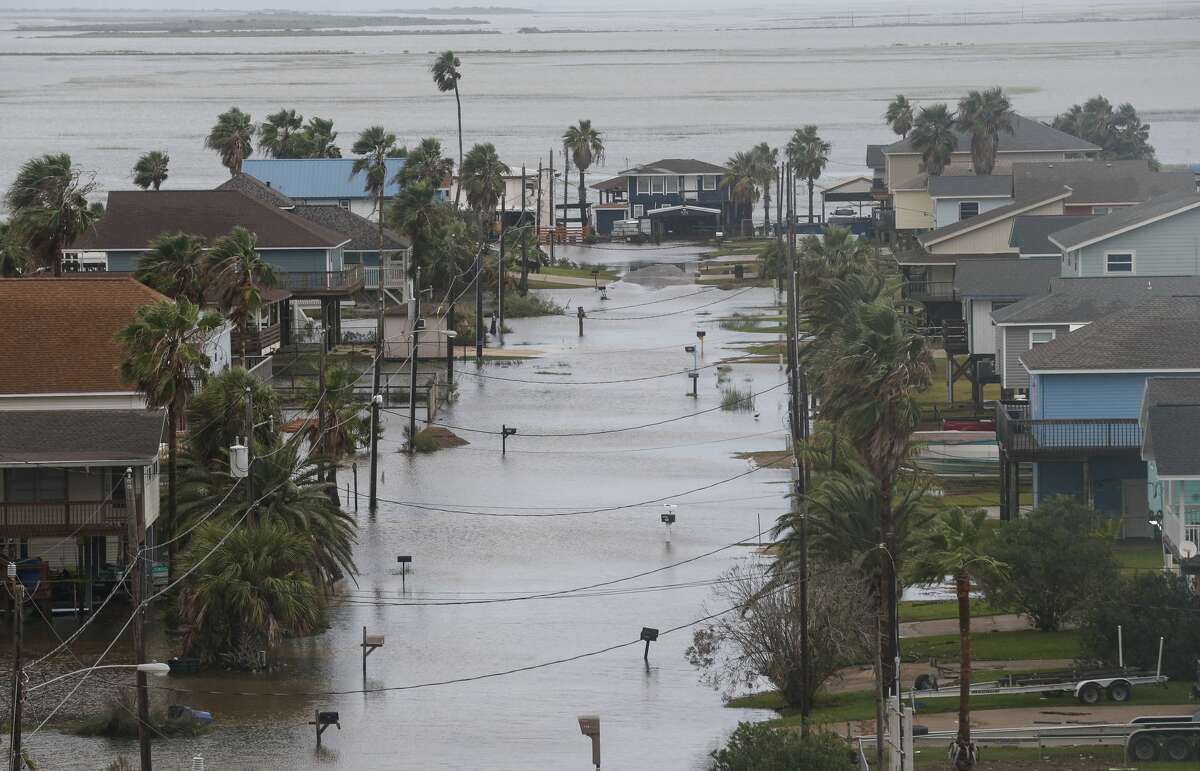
x=914, y=210
x=992, y=238
x=901, y=168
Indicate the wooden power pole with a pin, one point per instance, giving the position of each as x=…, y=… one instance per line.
x=137, y=579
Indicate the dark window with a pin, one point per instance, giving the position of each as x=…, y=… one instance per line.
x=40, y=484
x=968, y=209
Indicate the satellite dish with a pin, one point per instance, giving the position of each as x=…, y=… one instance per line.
x=1187, y=550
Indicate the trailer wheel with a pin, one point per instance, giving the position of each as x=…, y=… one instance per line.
x=1143, y=748
x=1120, y=691
x=1177, y=749
x=1091, y=693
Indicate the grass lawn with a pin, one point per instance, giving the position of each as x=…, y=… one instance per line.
x=765, y=324
x=608, y=275
x=1139, y=555
x=933, y=399
x=994, y=646
x=937, y=611
x=535, y=284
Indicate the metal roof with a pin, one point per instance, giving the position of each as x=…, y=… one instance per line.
x=1030, y=232
x=1004, y=278
x=971, y=186
x=1027, y=136
x=1122, y=220
x=319, y=177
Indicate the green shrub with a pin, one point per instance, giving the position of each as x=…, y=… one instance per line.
x=518, y=307
x=759, y=747
x=1146, y=607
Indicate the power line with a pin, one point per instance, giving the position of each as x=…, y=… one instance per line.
x=622, y=450
x=673, y=313
x=468, y=373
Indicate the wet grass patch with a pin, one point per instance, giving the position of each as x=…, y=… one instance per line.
x=734, y=399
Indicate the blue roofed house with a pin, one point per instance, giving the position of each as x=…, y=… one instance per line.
x=1170, y=423
x=323, y=181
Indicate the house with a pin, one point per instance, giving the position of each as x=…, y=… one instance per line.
x=309, y=259
x=984, y=284
x=70, y=427
x=1098, y=187
x=846, y=197
x=1079, y=428
x=1170, y=421
x=510, y=204
x=324, y=181
x=958, y=197
x=679, y=196
x=1030, y=234
x=1160, y=237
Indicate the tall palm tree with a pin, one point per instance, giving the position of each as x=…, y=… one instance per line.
x=174, y=265
x=277, y=135
x=446, y=74
x=319, y=138
x=767, y=159
x=164, y=351
x=741, y=177
x=426, y=163
x=374, y=146
x=217, y=413
x=956, y=546
x=899, y=115
x=482, y=176
x=586, y=146
x=49, y=206
x=150, y=171
x=809, y=155
x=983, y=115
x=933, y=136
x=239, y=274
x=419, y=215
x=230, y=137
x=351, y=424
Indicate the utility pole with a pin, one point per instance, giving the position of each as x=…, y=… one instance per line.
x=450, y=347
x=524, y=288
x=137, y=577
x=414, y=323
x=372, y=500
x=551, y=191
x=779, y=195
x=249, y=447
x=319, y=445
x=502, y=265
x=18, y=595
x=566, y=175
x=479, y=303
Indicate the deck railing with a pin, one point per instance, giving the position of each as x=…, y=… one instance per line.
x=61, y=517
x=325, y=281
x=257, y=338
x=393, y=278
x=921, y=291
x=1023, y=437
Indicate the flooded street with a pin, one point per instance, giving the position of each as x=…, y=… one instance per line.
x=517, y=529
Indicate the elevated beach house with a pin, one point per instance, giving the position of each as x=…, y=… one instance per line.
x=324, y=181
x=1170, y=423
x=680, y=196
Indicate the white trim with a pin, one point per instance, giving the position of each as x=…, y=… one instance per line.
x=139, y=462
x=1032, y=332
x=1125, y=229
x=1105, y=371
x=1132, y=263
x=56, y=394
x=680, y=207
x=715, y=180
x=1040, y=323
x=144, y=249
x=995, y=219
x=1178, y=478
x=639, y=210
x=966, y=197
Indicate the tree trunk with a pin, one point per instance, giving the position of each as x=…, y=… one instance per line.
x=172, y=498
x=458, y=187
x=583, y=218
x=880, y=722
x=810, y=200
x=964, y=750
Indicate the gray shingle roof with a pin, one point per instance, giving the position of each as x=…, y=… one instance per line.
x=991, y=215
x=363, y=234
x=971, y=186
x=616, y=183
x=1159, y=333
x=1083, y=300
x=1172, y=390
x=1099, y=228
x=1031, y=232
x=1100, y=182
x=1028, y=135
x=1004, y=278
x=677, y=166
x=1170, y=439
x=257, y=189
x=80, y=436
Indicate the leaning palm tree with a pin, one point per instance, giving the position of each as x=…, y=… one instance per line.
x=150, y=171
x=741, y=178
x=277, y=135
x=809, y=154
x=899, y=115
x=230, y=137
x=164, y=352
x=482, y=176
x=983, y=115
x=956, y=546
x=446, y=74
x=49, y=207
x=586, y=146
x=933, y=136
x=767, y=158
x=374, y=146
x=239, y=274
x=318, y=139
x=426, y=163
x=174, y=265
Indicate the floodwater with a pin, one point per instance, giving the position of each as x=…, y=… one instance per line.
x=658, y=717
x=658, y=83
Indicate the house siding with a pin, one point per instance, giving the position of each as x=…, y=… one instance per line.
x=991, y=238
x=1169, y=247
x=945, y=210
x=291, y=260
x=914, y=210
x=982, y=340
x=687, y=183
x=1016, y=345
x=1111, y=395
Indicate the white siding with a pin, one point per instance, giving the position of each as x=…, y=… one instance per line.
x=983, y=340
x=114, y=401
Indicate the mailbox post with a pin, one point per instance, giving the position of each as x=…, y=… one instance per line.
x=649, y=635
x=589, y=726
x=700, y=333
x=695, y=373
x=405, y=560
x=505, y=433
x=668, y=518
x=369, y=644
x=323, y=720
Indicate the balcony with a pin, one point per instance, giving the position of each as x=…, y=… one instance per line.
x=258, y=338
x=61, y=519
x=329, y=283
x=393, y=278
x=1024, y=438
x=929, y=291
x=1180, y=523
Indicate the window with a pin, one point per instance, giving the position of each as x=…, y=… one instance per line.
x=643, y=184
x=672, y=184
x=656, y=184
x=710, y=181
x=345, y=204
x=1118, y=262
x=40, y=484
x=968, y=209
x=1041, y=337
x=1101, y=210
x=638, y=210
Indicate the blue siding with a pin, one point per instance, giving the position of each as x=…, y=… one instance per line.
x=1169, y=247
x=945, y=211
x=1089, y=396
x=605, y=218
x=1107, y=474
x=1058, y=479
x=709, y=198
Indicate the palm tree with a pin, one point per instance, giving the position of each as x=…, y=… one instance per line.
x=741, y=177
x=809, y=154
x=217, y=414
x=767, y=158
x=49, y=206
x=374, y=146
x=446, y=74
x=426, y=163
x=482, y=176
x=174, y=265
x=586, y=146
x=230, y=137
x=351, y=423
x=249, y=589
x=983, y=115
x=957, y=546
x=318, y=139
x=164, y=348
x=239, y=274
x=150, y=171
x=934, y=138
x=899, y=115
x=419, y=215
x=277, y=135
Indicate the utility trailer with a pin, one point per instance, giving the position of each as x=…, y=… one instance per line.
x=1176, y=741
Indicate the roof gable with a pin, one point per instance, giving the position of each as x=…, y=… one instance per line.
x=1100, y=182
x=1124, y=220
x=1031, y=232
x=676, y=166
x=989, y=217
x=1027, y=136
x=1081, y=300
x=319, y=177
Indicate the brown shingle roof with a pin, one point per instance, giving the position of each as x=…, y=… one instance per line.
x=134, y=218
x=60, y=333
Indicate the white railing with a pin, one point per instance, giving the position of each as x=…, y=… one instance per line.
x=393, y=278
x=1179, y=526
